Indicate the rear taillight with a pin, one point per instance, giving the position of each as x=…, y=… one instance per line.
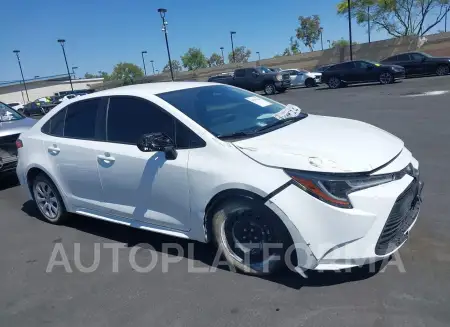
x=19, y=143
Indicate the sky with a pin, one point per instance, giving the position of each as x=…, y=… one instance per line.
x=101, y=33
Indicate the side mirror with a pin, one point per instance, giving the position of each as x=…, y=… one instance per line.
x=158, y=142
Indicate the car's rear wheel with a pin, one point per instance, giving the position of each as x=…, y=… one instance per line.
x=310, y=82
x=334, y=82
x=386, y=78
x=48, y=200
x=442, y=70
x=250, y=236
x=269, y=89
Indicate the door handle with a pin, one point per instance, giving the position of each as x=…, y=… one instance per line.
x=54, y=149
x=106, y=158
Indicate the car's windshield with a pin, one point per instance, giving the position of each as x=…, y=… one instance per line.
x=225, y=110
x=264, y=70
x=8, y=114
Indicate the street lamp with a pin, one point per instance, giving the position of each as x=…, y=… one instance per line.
x=143, y=61
x=157, y=71
x=162, y=13
x=350, y=27
x=21, y=72
x=321, y=39
x=368, y=22
x=445, y=20
x=62, y=41
x=73, y=71
x=259, y=55
x=223, y=58
x=153, y=67
x=232, y=45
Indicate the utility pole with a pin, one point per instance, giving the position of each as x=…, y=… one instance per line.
x=21, y=72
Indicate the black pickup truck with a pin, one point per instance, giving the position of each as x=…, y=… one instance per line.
x=255, y=79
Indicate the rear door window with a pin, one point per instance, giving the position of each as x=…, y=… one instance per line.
x=239, y=73
x=81, y=119
x=403, y=57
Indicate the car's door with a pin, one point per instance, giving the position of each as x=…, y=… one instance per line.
x=143, y=186
x=422, y=64
x=406, y=61
x=299, y=77
x=70, y=141
x=347, y=72
x=365, y=72
x=239, y=78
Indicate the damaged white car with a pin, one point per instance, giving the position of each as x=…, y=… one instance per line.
x=269, y=184
x=301, y=77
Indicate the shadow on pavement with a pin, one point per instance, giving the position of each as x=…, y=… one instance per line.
x=204, y=253
x=325, y=87
x=8, y=180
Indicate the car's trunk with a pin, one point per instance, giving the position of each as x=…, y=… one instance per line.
x=8, y=152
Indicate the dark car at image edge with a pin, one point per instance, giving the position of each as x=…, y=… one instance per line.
x=361, y=71
x=255, y=79
x=420, y=63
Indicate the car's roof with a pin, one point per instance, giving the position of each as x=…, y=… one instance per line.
x=152, y=88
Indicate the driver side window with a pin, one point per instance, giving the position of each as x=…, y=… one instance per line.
x=416, y=56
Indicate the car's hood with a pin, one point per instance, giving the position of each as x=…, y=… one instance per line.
x=324, y=144
x=312, y=74
x=16, y=126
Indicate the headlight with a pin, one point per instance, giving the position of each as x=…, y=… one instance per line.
x=334, y=189
x=279, y=77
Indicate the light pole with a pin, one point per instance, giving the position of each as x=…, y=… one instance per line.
x=143, y=61
x=259, y=55
x=21, y=72
x=368, y=22
x=153, y=67
x=162, y=13
x=350, y=27
x=73, y=72
x=223, y=58
x=232, y=45
x=62, y=41
x=321, y=37
x=157, y=71
x=445, y=20
x=329, y=44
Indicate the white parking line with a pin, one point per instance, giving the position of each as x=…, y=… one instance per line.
x=424, y=94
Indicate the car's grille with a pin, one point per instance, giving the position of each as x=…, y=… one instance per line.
x=401, y=217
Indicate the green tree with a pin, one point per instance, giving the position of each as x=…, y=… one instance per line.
x=126, y=72
x=215, y=60
x=341, y=43
x=194, y=59
x=294, y=46
x=241, y=55
x=176, y=66
x=88, y=75
x=397, y=17
x=101, y=74
x=309, y=30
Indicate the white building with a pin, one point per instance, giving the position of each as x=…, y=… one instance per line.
x=42, y=87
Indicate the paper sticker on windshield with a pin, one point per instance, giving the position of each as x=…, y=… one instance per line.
x=259, y=101
x=289, y=111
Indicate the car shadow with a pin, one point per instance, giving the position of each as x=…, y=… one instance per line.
x=8, y=180
x=325, y=87
x=202, y=252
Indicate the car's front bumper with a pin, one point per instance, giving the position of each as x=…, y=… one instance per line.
x=283, y=84
x=400, y=74
x=337, y=238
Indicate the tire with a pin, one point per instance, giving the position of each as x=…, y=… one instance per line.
x=386, y=78
x=269, y=89
x=310, y=82
x=442, y=70
x=282, y=90
x=241, y=219
x=334, y=82
x=48, y=200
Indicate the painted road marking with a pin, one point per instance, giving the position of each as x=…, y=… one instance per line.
x=424, y=94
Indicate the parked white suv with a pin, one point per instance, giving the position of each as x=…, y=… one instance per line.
x=206, y=161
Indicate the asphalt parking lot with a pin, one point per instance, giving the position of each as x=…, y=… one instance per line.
x=413, y=290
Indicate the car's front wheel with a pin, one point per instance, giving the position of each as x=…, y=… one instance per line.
x=249, y=235
x=269, y=89
x=48, y=200
x=334, y=82
x=386, y=78
x=310, y=82
x=442, y=70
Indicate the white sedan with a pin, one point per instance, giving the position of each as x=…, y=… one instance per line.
x=301, y=77
x=267, y=183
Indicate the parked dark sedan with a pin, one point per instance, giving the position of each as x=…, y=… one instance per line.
x=361, y=71
x=419, y=63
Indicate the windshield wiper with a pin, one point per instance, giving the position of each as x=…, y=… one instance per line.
x=282, y=122
x=234, y=135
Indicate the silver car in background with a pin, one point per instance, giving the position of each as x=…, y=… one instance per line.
x=12, y=124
